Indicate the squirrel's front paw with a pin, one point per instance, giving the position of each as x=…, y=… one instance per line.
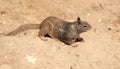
x=79, y=40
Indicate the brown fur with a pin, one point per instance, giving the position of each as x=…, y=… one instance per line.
x=67, y=32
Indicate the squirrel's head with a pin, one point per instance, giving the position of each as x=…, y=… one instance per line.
x=82, y=26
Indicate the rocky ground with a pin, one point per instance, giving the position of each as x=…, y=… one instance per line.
x=101, y=49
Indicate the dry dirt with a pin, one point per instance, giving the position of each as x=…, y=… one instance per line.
x=101, y=49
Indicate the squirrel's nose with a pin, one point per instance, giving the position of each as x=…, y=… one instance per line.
x=85, y=26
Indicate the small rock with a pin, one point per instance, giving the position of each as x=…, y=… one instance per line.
x=71, y=67
x=6, y=57
x=2, y=22
x=43, y=38
x=101, y=6
x=75, y=45
x=77, y=55
x=99, y=20
x=27, y=33
x=3, y=12
x=109, y=28
x=119, y=39
x=88, y=14
x=117, y=30
x=31, y=59
x=36, y=37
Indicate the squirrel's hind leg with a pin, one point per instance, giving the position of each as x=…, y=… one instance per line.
x=43, y=33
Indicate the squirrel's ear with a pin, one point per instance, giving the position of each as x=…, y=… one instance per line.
x=78, y=20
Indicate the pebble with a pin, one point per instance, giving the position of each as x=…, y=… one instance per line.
x=43, y=38
x=99, y=20
x=2, y=22
x=109, y=28
x=27, y=33
x=75, y=45
x=6, y=57
x=88, y=14
x=31, y=59
x=3, y=13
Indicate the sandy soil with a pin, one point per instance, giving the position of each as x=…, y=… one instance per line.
x=101, y=49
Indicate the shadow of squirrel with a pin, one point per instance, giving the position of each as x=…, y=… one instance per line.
x=67, y=32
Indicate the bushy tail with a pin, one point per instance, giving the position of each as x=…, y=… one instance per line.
x=23, y=28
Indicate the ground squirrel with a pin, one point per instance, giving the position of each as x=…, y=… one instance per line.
x=67, y=32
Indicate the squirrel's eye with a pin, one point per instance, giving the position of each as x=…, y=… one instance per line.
x=85, y=26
